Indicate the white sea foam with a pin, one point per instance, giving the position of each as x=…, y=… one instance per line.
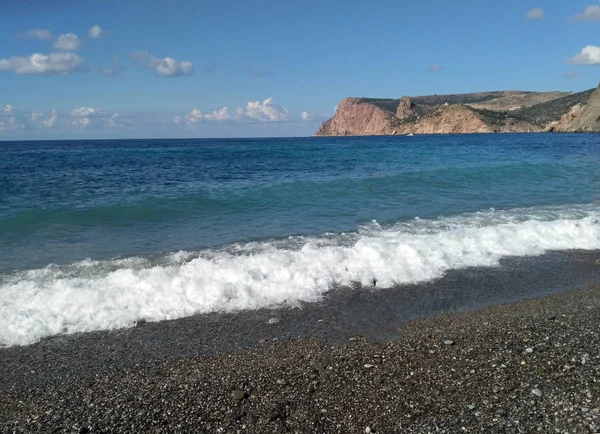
x=94, y=295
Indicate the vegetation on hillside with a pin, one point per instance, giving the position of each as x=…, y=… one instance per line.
x=544, y=113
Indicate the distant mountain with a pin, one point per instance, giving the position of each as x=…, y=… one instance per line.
x=482, y=112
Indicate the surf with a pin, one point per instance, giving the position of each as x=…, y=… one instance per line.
x=93, y=295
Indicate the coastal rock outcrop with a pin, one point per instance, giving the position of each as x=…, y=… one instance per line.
x=464, y=114
x=405, y=108
x=354, y=117
x=581, y=117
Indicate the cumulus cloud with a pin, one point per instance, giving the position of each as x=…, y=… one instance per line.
x=82, y=122
x=10, y=120
x=67, y=42
x=84, y=112
x=41, y=34
x=95, y=32
x=591, y=13
x=50, y=122
x=590, y=55
x=114, y=120
x=167, y=67
x=535, y=14
x=11, y=124
x=44, y=64
x=267, y=111
x=255, y=111
x=306, y=116
x=196, y=116
x=435, y=68
x=84, y=117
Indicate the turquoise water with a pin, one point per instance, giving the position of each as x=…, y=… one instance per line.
x=187, y=215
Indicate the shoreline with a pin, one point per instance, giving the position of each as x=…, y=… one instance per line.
x=527, y=366
x=513, y=367
x=344, y=312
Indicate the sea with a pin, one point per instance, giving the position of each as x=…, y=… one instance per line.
x=102, y=234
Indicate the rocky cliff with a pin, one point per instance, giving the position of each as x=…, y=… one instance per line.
x=581, y=117
x=484, y=112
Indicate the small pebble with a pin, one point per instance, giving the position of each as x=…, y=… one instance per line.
x=471, y=406
x=368, y=365
x=448, y=342
x=537, y=392
x=368, y=430
x=238, y=395
x=273, y=321
x=529, y=350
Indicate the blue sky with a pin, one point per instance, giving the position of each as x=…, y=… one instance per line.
x=203, y=68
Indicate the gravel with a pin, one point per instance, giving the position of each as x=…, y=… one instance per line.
x=484, y=383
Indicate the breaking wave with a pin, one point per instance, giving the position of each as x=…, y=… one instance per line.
x=96, y=295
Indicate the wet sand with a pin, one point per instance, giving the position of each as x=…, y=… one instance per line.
x=360, y=359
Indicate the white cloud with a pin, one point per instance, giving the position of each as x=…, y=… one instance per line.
x=82, y=122
x=590, y=55
x=196, y=116
x=435, y=68
x=67, y=42
x=535, y=14
x=41, y=34
x=9, y=120
x=82, y=112
x=306, y=116
x=51, y=121
x=114, y=120
x=167, y=67
x=267, y=111
x=50, y=64
x=591, y=13
x=96, y=32
x=11, y=124
x=256, y=111
x=89, y=116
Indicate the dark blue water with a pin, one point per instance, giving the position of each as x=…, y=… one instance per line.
x=65, y=201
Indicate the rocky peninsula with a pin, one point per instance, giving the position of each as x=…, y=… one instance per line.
x=483, y=112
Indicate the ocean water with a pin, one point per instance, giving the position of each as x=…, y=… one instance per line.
x=101, y=234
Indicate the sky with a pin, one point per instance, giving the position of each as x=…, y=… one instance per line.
x=75, y=69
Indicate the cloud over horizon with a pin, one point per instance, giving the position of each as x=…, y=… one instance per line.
x=167, y=67
x=255, y=111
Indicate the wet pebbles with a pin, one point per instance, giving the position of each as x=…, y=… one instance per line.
x=532, y=366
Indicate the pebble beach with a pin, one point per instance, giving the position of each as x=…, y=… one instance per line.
x=530, y=366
